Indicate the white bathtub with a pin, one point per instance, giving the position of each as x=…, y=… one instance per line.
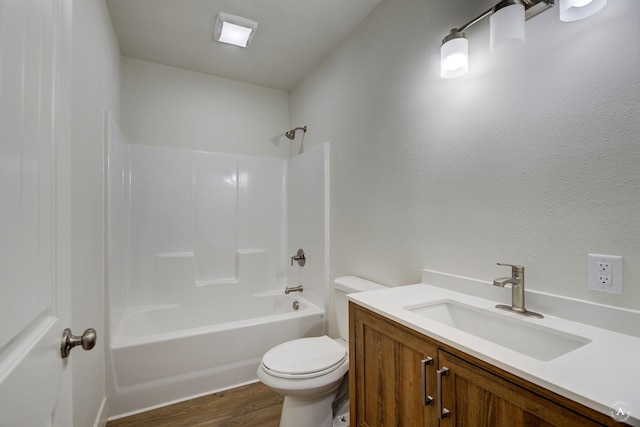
x=164, y=354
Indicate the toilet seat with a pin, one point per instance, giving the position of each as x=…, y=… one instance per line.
x=304, y=358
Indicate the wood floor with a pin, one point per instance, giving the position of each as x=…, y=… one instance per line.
x=254, y=405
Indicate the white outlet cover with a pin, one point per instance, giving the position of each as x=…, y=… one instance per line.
x=615, y=272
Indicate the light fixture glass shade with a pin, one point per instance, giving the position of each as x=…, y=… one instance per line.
x=234, y=30
x=234, y=34
x=454, y=56
x=573, y=10
x=507, y=26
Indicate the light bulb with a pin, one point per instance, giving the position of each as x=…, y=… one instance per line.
x=454, y=62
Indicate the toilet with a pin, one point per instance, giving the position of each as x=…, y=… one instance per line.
x=308, y=371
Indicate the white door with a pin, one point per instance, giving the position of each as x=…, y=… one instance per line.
x=35, y=385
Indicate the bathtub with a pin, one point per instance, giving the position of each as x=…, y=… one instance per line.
x=168, y=353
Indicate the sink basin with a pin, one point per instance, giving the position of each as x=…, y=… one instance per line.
x=537, y=341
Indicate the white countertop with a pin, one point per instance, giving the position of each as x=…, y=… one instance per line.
x=601, y=374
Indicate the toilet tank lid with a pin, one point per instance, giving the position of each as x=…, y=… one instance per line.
x=352, y=284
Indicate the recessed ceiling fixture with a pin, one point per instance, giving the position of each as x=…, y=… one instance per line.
x=506, y=29
x=235, y=30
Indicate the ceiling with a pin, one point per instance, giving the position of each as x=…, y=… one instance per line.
x=293, y=36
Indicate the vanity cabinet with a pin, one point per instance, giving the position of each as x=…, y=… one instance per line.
x=394, y=375
x=391, y=373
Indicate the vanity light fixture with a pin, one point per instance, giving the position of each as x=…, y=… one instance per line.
x=573, y=10
x=235, y=30
x=506, y=26
x=506, y=32
x=454, y=55
x=506, y=29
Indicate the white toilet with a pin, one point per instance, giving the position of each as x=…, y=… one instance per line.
x=308, y=371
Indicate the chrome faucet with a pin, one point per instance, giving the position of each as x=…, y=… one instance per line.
x=288, y=290
x=517, y=291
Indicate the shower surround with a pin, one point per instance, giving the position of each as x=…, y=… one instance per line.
x=198, y=259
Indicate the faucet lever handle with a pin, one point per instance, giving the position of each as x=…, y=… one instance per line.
x=299, y=257
x=514, y=268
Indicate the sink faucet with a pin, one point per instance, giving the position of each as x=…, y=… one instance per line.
x=288, y=290
x=517, y=291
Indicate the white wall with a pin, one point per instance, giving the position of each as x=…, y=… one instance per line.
x=95, y=88
x=530, y=159
x=118, y=224
x=196, y=219
x=308, y=223
x=231, y=214
x=171, y=107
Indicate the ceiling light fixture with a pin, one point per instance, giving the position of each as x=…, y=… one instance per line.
x=234, y=30
x=507, y=20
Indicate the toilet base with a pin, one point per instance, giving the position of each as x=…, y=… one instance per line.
x=298, y=412
x=341, y=420
x=341, y=406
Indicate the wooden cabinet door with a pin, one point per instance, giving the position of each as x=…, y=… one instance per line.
x=476, y=397
x=387, y=374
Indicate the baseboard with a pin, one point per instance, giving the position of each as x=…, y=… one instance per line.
x=103, y=414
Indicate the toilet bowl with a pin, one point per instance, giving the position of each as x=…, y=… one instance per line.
x=309, y=371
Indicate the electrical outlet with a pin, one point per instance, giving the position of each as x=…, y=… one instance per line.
x=605, y=273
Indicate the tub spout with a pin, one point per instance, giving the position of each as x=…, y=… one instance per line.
x=288, y=290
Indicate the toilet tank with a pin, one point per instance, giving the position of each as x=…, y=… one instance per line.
x=348, y=285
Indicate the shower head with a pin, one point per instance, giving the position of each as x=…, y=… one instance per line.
x=292, y=133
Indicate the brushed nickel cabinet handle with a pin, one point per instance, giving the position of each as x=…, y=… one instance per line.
x=426, y=399
x=442, y=412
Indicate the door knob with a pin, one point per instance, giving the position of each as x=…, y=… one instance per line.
x=87, y=340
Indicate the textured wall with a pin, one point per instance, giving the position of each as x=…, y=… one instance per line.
x=531, y=158
x=170, y=107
